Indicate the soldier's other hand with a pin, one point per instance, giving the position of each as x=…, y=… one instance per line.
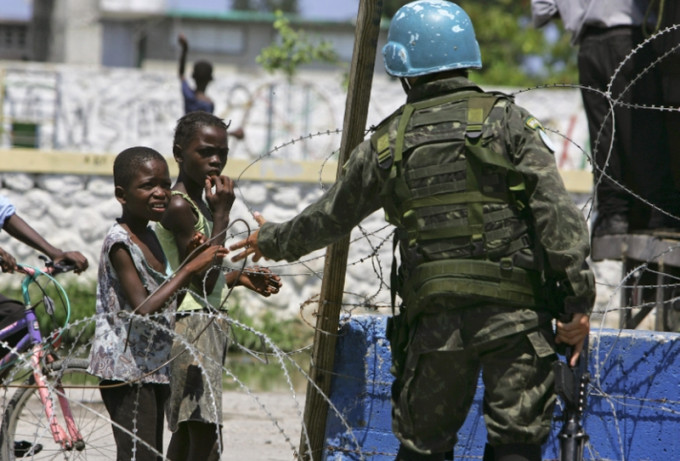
x=573, y=333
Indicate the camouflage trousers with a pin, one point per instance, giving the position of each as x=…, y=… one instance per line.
x=433, y=396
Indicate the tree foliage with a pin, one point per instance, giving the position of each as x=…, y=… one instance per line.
x=293, y=50
x=514, y=52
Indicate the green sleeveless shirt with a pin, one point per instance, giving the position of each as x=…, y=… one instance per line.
x=194, y=299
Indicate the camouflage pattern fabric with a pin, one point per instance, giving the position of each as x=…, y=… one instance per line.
x=454, y=337
x=447, y=351
x=557, y=223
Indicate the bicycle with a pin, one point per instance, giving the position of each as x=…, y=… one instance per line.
x=55, y=413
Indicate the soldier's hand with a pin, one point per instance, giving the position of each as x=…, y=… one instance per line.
x=573, y=333
x=249, y=245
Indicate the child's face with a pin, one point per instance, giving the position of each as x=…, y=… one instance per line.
x=148, y=193
x=206, y=155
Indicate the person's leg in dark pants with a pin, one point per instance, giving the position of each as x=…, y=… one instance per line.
x=609, y=127
x=136, y=409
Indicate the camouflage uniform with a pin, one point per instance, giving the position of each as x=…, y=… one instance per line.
x=452, y=335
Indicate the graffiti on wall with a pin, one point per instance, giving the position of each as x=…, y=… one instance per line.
x=108, y=110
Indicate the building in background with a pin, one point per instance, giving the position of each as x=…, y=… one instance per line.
x=143, y=33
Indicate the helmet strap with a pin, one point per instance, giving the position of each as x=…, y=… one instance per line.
x=405, y=84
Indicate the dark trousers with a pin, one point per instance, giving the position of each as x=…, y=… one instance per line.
x=629, y=145
x=667, y=45
x=140, y=409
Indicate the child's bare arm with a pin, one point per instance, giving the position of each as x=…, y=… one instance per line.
x=147, y=303
x=22, y=231
x=182, y=40
x=180, y=219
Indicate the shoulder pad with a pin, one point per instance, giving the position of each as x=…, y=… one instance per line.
x=500, y=94
x=380, y=140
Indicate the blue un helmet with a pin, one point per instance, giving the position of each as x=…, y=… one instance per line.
x=428, y=36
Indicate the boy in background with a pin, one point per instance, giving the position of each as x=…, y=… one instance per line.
x=197, y=99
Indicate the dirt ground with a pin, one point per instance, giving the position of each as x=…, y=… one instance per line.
x=263, y=426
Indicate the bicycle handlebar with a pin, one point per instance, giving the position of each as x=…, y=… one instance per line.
x=58, y=268
x=51, y=267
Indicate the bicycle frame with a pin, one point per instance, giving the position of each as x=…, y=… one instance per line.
x=71, y=437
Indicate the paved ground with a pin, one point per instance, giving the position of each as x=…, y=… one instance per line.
x=262, y=426
x=266, y=429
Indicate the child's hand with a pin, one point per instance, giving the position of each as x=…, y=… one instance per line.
x=261, y=280
x=196, y=241
x=7, y=262
x=222, y=198
x=182, y=40
x=211, y=256
x=73, y=257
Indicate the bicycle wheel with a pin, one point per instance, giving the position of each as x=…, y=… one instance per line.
x=24, y=418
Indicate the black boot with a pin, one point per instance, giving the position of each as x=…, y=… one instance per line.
x=406, y=454
x=513, y=452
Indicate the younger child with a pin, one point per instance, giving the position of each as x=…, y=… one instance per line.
x=195, y=409
x=131, y=348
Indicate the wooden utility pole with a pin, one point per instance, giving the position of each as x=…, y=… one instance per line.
x=332, y=286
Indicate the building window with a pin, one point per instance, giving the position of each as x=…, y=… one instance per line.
x=218, y=39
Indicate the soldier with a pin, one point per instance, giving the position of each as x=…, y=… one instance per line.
x=483, y=223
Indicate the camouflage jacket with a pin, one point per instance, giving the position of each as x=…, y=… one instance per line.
x=558, y=224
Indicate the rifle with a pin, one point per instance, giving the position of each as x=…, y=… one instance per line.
x=571, y=386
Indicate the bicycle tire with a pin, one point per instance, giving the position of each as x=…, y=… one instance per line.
x=24, y=418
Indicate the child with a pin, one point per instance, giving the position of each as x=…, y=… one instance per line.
x=130, y=350
x=197, y=99
x=195, y=409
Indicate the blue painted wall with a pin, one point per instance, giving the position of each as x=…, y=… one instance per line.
x=633, y=408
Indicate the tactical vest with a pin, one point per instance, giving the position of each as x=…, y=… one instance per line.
x=458, y=204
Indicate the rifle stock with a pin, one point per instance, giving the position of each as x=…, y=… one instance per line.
x=571, y=386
